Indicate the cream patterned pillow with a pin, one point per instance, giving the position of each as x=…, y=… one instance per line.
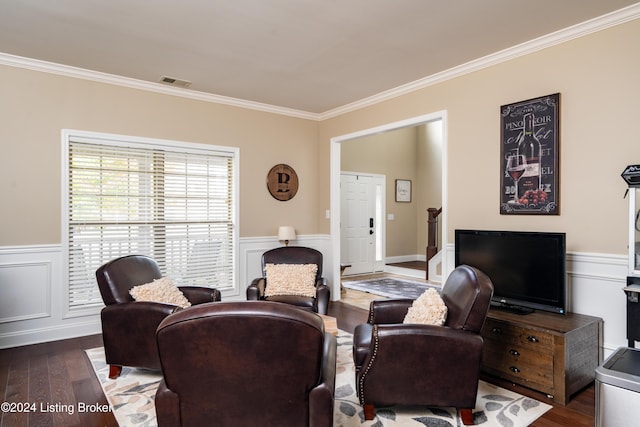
x=428, y=309
x=160, y=290
x=291, y=279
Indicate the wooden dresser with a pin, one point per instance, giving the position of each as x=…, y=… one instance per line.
x=547, y=352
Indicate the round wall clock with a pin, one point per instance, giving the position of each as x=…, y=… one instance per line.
x=282, y=182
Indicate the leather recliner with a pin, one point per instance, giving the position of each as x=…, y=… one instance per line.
x=415, y=364
x=245, y=363
x=129, y=326
x=293, y=255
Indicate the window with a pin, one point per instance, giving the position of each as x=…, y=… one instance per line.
x=172, y=201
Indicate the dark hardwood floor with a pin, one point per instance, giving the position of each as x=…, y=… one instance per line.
x=414, y=265
x=38, y=377
x=59, y=373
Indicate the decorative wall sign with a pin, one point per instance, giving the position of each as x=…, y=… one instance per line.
x=403, y=190
x=529, y=138
x=282, y=182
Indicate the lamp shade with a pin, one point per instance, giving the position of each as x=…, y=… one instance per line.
x=286, y=233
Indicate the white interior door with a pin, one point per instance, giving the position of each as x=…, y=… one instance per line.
x=361, y=229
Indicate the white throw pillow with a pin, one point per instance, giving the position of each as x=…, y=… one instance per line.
x=291, y=279
x=428, y=309
x=161, y=290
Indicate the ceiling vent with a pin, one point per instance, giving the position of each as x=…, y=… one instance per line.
x=175, y=82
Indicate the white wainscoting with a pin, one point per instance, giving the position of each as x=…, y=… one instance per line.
x=596, y=282
x=32, y=295
x=32, y=298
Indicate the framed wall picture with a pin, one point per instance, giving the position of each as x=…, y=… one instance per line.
x=403, y=190
x=529, y=138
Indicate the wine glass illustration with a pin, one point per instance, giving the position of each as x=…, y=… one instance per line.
x=516, y=165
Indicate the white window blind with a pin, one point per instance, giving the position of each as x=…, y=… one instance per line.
x=174, y=205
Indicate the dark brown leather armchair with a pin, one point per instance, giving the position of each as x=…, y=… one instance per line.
x=408, y=364
x=293, y=255
x=128, y=326
x=245, y=364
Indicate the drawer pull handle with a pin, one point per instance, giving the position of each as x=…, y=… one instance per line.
x=514, y=352
x=496, y=330
x=514, y=369
x=531, y=338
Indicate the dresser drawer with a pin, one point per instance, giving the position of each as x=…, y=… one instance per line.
x=518, y=364
x=512, y=335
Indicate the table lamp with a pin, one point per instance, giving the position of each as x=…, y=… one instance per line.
x=286, y=233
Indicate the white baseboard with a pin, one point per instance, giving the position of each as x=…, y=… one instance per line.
x=403, y=258
x=409, y=272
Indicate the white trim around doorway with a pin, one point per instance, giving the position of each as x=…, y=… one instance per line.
x=335, y=142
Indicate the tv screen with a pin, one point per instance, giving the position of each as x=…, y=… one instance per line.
x=527, y=268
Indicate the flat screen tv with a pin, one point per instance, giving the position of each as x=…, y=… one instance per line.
x=527, y=268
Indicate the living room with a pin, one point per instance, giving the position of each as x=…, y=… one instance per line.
x=593, y=67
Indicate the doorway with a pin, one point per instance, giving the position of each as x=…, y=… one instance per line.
x=335, y=178
x=362, y=198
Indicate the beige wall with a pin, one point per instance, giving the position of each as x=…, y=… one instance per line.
x=597, y=78
x=430, y=139
x=595, y=74
x=35, y=106
x=394, y=155
x=412, y=153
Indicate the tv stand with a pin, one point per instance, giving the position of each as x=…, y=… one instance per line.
x=552, y=353
x=515, y=309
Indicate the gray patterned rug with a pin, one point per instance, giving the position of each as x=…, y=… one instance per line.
x=131, y=397
x=390, y=287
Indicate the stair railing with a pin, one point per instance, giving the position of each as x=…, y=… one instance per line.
x=432, y=235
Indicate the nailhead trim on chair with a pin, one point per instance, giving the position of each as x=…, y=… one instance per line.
x=368, y=367
x=370, y=320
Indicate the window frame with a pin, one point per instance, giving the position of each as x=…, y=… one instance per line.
x=125, y=141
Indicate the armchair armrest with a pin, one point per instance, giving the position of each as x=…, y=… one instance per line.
x=437, y=341
x=167, y=406
x=200, y=294
x=255, y=291
x=388, y=311
x=321, y=397
x=139, y=310
x=133, y=322
x=323, y=295
x=134, y=318
x=329, y=361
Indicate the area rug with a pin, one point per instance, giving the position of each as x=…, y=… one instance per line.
x=131, y=397
x=390, y=287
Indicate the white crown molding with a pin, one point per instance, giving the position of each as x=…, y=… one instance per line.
x=603, y=22
x=96, y=76
x=588, y=27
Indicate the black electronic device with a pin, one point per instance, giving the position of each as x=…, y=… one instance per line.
x=528, y=269
x=633, y=309
x=631, y=175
